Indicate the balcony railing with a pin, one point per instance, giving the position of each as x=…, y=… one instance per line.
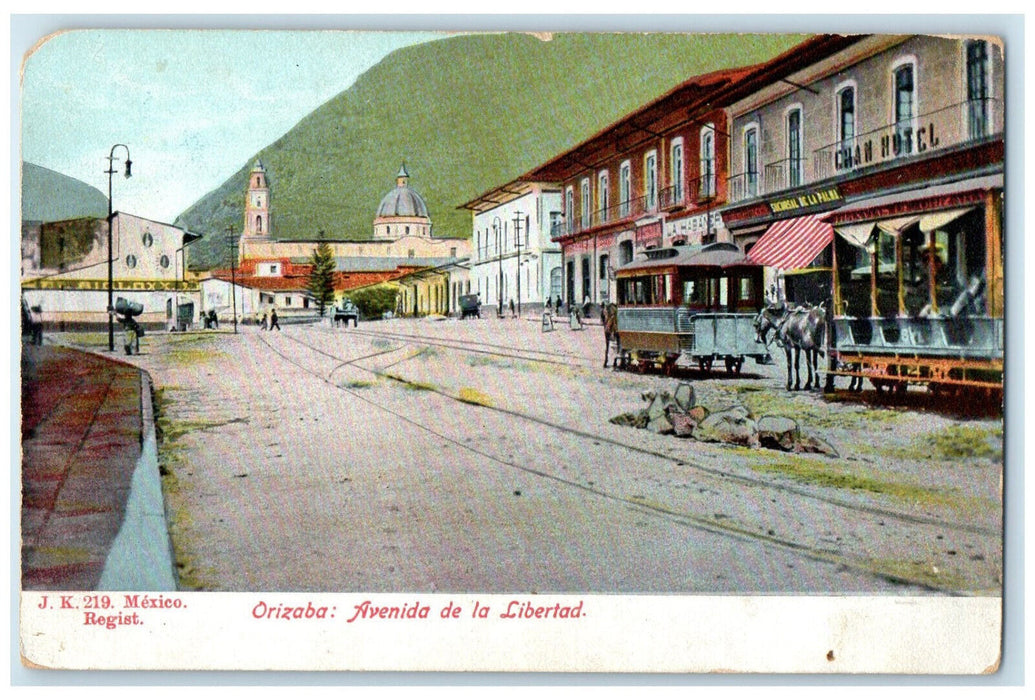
x=957, y=124
x=743, y=186
x=672, y=197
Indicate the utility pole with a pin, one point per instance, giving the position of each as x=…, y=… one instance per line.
x=517, y=240
x=233, y=274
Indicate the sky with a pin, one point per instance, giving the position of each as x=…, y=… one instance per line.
x=192, y=106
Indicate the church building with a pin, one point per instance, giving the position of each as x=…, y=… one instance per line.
x=272, y=273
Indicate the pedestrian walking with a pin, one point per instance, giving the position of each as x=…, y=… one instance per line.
x=265, y=321
x=557, y=310
x=512, y=314
x=273, y=320
x=549, y=304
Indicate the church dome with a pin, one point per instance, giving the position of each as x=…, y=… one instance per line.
x=402, y=200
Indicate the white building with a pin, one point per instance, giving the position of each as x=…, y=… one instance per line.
x=65, y=270
x=512, y=256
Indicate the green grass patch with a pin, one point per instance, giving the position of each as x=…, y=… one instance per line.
x=915, y=572
x=473, y=396
x=965, y=442
x=90, y=340
x=411, y=384
x=809, y=471
x=768, y=401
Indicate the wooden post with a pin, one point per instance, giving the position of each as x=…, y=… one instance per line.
x=873, y=276
x=994, y=254
x=932, y=284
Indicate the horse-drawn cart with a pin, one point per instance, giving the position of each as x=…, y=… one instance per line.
x=470, y=305
x=344, y=314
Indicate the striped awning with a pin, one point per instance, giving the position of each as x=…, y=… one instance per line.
x=793, y=243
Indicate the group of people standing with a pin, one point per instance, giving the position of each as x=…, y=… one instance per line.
x=269, y=321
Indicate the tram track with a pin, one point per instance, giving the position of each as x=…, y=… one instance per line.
x=504, y=351
x=713, y=525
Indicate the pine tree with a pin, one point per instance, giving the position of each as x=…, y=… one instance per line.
x=321, y=276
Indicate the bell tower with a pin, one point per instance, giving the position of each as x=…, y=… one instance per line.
x=257, y=204
x=256, y=227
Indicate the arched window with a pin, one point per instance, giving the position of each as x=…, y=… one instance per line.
x=751, y=160
x=707, y=161
x=905, y=108
x=794, y=147
x=846, y=128
x=258, y=224
x=977, y=88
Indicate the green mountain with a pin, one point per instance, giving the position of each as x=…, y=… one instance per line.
x=465, y=113
x=48, y=195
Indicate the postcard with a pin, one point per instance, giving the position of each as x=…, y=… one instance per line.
x=553, y=351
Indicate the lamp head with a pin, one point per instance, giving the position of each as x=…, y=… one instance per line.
x=129, y=165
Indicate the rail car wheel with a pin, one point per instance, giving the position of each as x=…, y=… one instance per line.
x=704, y=364
x=734, y=364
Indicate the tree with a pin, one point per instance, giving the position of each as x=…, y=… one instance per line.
x=374, y=301
x=321, y=276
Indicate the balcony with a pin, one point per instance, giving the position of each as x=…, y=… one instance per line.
x=968, y=122
x=955, y=125
x=743, y=186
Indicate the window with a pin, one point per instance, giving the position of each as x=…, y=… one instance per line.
x=452, y=252
x=794, y=147
x=905, y=109
x=845, y=129
x=650, y=180
x=584, y=201
x=258, y=224
x=569, y=208
x=148, y=239
x=555, y=223
x=603, y=196
x=164, y=261
x=604, y=261
x=977, y=89
x=287, y=301
x=624, y=188
x=131, y=261
x=677, y=171
x=751, y=161
x=410, y=253
x=708, y=161
x=625, y=252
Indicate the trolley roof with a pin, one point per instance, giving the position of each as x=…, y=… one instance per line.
x=713, y=255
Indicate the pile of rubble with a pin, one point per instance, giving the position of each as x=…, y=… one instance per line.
x=677, y=413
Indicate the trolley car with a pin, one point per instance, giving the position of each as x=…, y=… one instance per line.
x=689, y=304
x=918, y=297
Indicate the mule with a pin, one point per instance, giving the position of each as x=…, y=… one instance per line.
x=797, y=330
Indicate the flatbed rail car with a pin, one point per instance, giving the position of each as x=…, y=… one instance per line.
x=918, y=298
x=689, y=304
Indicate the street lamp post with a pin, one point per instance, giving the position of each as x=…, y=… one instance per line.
x=111, y=306
x=517, y=241
x=496, y=226
x=233, y=274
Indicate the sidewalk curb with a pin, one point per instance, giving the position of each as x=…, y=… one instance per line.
x=141, y=558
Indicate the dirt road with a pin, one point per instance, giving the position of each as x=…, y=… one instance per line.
x=479, y=456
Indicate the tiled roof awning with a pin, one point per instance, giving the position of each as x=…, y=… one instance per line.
x=792, y=244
